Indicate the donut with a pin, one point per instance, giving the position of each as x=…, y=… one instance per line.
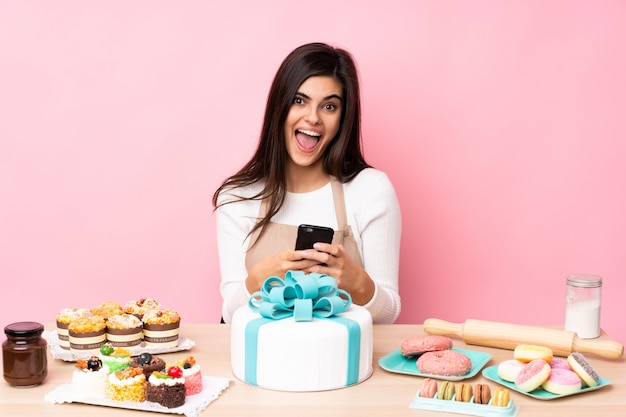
x=444, y=362
x=583, y=369
x=501, y=397
x=446, y=391
x=527, y=353
x=464, y=392
x=429, y=389
x=415, y=346
x=532, y=375
x=559, y=363
x=509, y=369
x=562, y=381
x=482, y=394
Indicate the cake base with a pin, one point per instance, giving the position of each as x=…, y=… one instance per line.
x=170, y=396
x=317, y=355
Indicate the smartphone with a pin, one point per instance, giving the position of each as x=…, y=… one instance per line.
x=309, y=234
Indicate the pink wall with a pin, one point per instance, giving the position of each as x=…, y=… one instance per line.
x=501, y=124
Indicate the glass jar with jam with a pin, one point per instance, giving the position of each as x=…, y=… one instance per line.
x=24, y=359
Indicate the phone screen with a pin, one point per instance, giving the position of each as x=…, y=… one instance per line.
x=309, y=234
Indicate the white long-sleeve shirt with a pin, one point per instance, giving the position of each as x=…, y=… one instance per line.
x=373, y=214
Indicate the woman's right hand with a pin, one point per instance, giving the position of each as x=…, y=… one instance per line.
x=276, y=265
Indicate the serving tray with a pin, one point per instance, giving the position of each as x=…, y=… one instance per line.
x=396, y=362
x=212, y=387
x=57, y=352
x=469, y=408
x=539, y=393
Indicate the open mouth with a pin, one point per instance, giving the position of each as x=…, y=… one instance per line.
x=307, y=139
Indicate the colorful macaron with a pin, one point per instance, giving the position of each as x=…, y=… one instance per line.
x=482, y=394
x=446, y=391
x=429, y=388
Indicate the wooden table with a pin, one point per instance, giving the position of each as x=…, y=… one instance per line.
x=384, y=394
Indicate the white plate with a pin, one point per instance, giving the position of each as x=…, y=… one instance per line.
x=52, y=337
x=212, y=387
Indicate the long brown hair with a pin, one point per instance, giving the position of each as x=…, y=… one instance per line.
x=343, y=159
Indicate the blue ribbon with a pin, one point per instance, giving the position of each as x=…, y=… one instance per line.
x=301, y=296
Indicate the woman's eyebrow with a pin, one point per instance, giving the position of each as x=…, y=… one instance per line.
x=332, y=96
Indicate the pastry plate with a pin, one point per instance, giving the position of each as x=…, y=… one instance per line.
x=540, y=394
x=212, y=387
x=52, y=337
x=469, y=408
x=396, y=362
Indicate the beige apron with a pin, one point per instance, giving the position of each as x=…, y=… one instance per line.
x=278, y=237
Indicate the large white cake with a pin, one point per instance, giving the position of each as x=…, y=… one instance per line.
x=288, y=355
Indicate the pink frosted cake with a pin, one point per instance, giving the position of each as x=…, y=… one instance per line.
x=192, y=374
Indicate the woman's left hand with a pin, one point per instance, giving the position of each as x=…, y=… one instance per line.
x=335, y=262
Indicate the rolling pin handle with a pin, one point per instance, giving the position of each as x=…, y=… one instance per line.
x=442, y=327
x=606, y=348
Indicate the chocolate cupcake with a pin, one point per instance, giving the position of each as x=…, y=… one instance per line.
x=167, y=388
x=148, y=363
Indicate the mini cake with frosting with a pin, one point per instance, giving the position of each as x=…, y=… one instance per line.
x=63, y=320
x=89, y=379
x=107, y=309
x=124, y=330
x=86, y=335
x=129, y=384
x=167, y=388
x=192, y=374
x=139, y=307
x=115, y=358
x=161, y=327
x=149, y=363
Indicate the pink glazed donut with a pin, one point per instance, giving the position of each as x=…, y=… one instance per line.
x=532, y=375
x=444, y=362
x=562, y=381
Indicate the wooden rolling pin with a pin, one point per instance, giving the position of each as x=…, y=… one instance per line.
x=508, y=336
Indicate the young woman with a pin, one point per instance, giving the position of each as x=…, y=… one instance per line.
x=308, y=168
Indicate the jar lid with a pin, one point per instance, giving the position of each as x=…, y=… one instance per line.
x=24, y=329
x=584, y=280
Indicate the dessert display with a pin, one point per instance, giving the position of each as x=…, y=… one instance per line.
x=271, y=336
x=128, y=384
x=444, y=362
x=63, y=320
x=89, y=379
x=167, y=388
x=124, y=330
x=161, y=328
x=86, y=335
x=148, y=363
x=115, y=358
x=140, y=306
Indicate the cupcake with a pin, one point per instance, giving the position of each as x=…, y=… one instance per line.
x=192, y=374
x=167, y=388
x=139, y=307
x=124, y=330
x=107, y=309
x=127, y=385
x=63, y=320
x=161, y=327
x=115, y=358
x=148, y=363
x=89, y=379
x=86, y=335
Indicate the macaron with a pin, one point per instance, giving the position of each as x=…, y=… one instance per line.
x=415, y=346
x=464, y=392
x=446, y=391
x=527, y=353
x=445, y=363
x=583, y=369
x=501, y=397
x=429, y=388
x=509, y=369
x=482, y=394
x=532, y=375
x=562, y=381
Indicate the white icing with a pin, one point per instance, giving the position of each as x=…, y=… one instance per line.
x=191, y=371
x=302, y=356
x=89, y=384
x=165, y=381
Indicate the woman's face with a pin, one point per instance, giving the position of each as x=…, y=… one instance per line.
x=313, y=119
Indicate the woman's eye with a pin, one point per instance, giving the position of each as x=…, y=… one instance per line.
x=298, y=100
x=330, y=107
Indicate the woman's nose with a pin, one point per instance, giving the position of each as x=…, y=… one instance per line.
x=312, y=116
